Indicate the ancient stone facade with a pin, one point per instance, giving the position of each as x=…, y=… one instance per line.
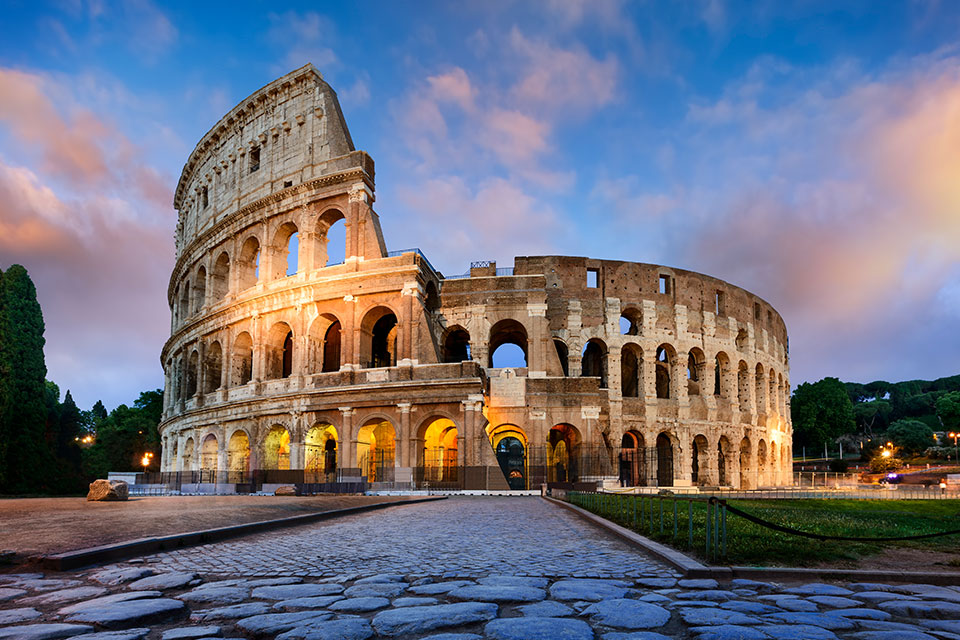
x=285, y=367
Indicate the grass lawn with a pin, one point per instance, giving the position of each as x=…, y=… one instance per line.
x=753, y=544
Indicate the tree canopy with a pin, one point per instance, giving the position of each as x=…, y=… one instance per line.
x=912, y=436
x=821, y=412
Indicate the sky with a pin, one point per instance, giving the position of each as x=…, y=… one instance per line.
x=808, y=152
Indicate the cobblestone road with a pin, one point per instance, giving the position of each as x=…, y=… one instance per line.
x=458, y=536
x=461, y=569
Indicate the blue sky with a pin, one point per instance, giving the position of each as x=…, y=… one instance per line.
x=808, y=152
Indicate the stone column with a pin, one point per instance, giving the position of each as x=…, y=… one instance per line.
x=406, y=437
x=349, y=438
x=222, y=458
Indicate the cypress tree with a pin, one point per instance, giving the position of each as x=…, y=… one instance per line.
x=25, y=456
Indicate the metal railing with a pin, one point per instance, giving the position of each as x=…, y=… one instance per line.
x=416, y=250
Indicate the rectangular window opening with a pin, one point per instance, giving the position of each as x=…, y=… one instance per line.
x=720, y=310
x=756, y=310
x=204, y=197
x=664, y=283
x=593, y=278
x=254, y=159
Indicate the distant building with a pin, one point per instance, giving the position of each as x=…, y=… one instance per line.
x=380, y=367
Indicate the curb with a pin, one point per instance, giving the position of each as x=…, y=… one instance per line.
x=694, y=569
x=124, y=550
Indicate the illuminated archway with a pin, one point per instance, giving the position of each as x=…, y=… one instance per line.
x=209, y=450
x=438, y=455
x=320, y=449
x=376, y=450
x=563, y=443
x=632, y=461
x=510, y=444
x=276, y=449
x=238, y=453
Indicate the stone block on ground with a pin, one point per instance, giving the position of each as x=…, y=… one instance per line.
x=20, y=614
x=44, y=631
x=108, y=490
x=412, y=620
x=131, y=612
x=538, y=629
x=343, y=629
x=286, y=490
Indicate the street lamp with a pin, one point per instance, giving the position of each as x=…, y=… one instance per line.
x=955, y=435
x=145, y=460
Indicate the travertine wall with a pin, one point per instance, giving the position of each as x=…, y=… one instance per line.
x=676, y=362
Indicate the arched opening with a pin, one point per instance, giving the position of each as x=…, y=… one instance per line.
x=431, y=299
x=220, y=278
x=242, y=359
x=723, y=450
x=276, y=449
x=238, y=456
x=594, y=362
x=192, y=372
x=331, y=239
x=200, y=290
x=293, y=254
x=632, y=460
x=279, y=351
x=720, y=372
x=379, y=338
x=664, y=461
x=761, y=389
x=745, y=464
x=209, y=454
x=508, y=345
x=698, y=472
x=563, y=443
x=563, y=355
x=320, y=451
x=438, y=454
x=510, y=444
x=743, y=386
x=762, y=463
x=185, y=311
x=376, y=450
x=187, y=461
x=774, y=475
x=630, y=359
x=773, y=397
x=630, y=322
x=284, y=249
x=664, y=367
x=331, y=347
x=695, y=362
x=248, y=263
x=456, y=345
x=213, y=366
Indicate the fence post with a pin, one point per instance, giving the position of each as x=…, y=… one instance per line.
x=724, y=531
x=690, y=523
x=634, y=512
x=674, y=518
x=661, y=515
x=707, y=528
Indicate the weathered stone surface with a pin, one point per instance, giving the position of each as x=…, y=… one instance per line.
x=756, y=585
x=131, y=612
x=922, y=609
x=270, y=582
x=453, y=636
x=698, y=617
x=217, y=595
x=7, y=593
x=312, y=602
x=20, y=614
x=418, y=601
x=344, y=629
x=791, y=603
x=359, y=605
x=125, y=634
x=245, y=610
x=119, y=575
x=43, y=584
x=538, y=629
x=715, y=595
x=728, y=632
x=634, y=635
x=376, y=589
x=588, y=589
x=287, y=490
x=381, y=578
x=108, y=490
x=514, y=581
x=818, y=589
x=64, y=595
x=834, y=602
x=289, y=591
x=797, y=632
x=498, y=593
x=271, y=624
x=656, y=583
x=824, y=620
x=881, y=596
x=862, y=613
x=893, y=635
x=546, y=609
x=627, y=614
x=44, y=631
x=698, y=583
x=742, y=606
x=164, y=581
x=952, y=626
x=412, y=620
x=190, y=633
x=655, y=598
x=104, y=601
x=437, y=588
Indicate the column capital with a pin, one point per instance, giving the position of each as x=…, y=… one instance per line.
x=404, y=407
x=346, y=411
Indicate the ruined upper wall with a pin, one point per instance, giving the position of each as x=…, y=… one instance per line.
x=288, y=132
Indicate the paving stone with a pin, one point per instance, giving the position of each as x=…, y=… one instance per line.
x=885, y=625
x=715, y=595
x=823, y=620
x=245, y=610
x=43, y=584
x=790, y=603
x=131, y=612
x=414, y=601
x=190, y=633
x=862, y=614
x=498, y=593
x=126, y=634
x=871, y=586
x=893, y=635
x=655, y=598
x=20, y=614
x=359, y=605
x=9, y=593
x=290, y=591
x=728, y=632
x=437, y=588
x=627, y=614
x=272, y=582
x=217, y=595
x=413, y=620
x=698, y=583
x=697, y=617
x=64, y=595
x=538, y=629
x=922, y=609
x=343, y=629
x=545, y=609
x=453, y=636
x=313, y=602
x=834, y=602
x=44, y=631
x=588, y=589
x=272, y=624
x=762, y=587
x=706, y=604
x=119, y=575
x=380, y=578
x=515, y=581
x=376, y=589
x=797, y=632
x=104, y=601
x=656, y=583
x=881, y=596
x=164, y=581
x=932, y=592
x=952, y=626
x=17, y=577
x=742, y=606
x=818, y=589
x=634, y=635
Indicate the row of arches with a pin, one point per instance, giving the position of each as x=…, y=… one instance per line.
x=287, y=253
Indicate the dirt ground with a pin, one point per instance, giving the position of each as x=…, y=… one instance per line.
x=41, y=526
x=906, y=559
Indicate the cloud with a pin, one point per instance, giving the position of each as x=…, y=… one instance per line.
x=306, y=37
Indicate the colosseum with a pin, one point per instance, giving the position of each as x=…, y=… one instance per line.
x=303, y=351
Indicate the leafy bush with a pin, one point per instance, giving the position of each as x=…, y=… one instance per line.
x=883, y=465
x=910, y=435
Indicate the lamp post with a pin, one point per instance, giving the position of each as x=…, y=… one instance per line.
x=956, y=450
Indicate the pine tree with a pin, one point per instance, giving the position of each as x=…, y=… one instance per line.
x=25, y=457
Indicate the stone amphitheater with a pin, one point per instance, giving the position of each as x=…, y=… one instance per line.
x=303, y=351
